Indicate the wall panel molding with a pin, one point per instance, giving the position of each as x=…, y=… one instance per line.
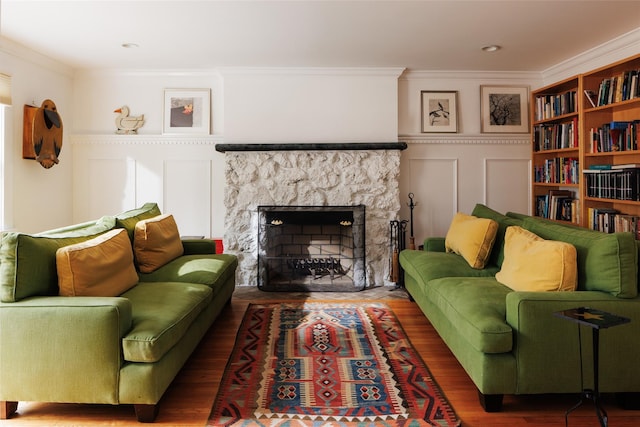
x=466, y=139
x=145, y=140
x=500, y=174
x=434, y=183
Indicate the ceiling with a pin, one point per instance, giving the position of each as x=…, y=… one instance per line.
x=418, y=35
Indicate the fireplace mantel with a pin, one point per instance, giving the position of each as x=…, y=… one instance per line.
x=313, y=146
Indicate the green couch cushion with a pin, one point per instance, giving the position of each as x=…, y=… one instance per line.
x=606, y=262
x=497, y=253
x=28, y=264
x=162, y=313
x=427, y=266
x=90, y=228
x=129, y=219
x=210, y=269
x=476, y=307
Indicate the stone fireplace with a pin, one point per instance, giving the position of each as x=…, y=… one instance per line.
x=311, y=175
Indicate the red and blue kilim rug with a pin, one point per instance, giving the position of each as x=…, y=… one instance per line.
x=326, y=364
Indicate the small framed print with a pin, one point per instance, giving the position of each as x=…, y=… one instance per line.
x=439, y=111
x=187, y=111
x=504, y=109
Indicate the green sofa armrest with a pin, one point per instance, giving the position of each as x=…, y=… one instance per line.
x=434, y=244
x=547, y=347
x=62, y=349
x=198, y=246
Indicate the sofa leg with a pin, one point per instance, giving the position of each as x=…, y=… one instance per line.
x=7, y=409
x=491, y=402
x=146, y=413
x=628, y=400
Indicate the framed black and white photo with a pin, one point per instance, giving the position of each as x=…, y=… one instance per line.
x=504, y=109
x=439, y=111
x=187, y=111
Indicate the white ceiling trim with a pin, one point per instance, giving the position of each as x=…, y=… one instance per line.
x=323, y=71
x=614, y=50
x=471, y=75
x=29, y=55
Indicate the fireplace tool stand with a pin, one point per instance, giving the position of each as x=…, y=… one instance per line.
x=397, y=242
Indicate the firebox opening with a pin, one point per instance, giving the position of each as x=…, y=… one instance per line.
x=311, y=248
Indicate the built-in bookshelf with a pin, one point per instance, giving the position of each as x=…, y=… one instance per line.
x=610, y=125
x=556, y=151
x=585, y=154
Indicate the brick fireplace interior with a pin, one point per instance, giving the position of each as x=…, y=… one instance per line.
x=311, y=248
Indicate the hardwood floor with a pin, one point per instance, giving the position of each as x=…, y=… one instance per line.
x=189, y=399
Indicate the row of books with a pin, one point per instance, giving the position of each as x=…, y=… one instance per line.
x=559, y=170
x=553, y=105
x=558, y=205
x=618, y=182
x=555, y=136
x=613, y=221
x=615, y=136
x=620, y=87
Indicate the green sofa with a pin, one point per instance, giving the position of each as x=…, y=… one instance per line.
x=109, y=350
x=510, y=342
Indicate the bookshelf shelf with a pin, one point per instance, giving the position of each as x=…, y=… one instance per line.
x=612, y=201
x=560, y=118
x=559, y=151
x=617, y=154
x=556, y=185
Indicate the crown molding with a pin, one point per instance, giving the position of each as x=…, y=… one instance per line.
x=506, y=139
x=614, y=50
x=149, y=72
x=24, y=53
x=503, y=76
x=314, y=71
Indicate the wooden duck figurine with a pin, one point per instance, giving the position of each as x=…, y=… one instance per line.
x=126, y=124
x=47, y=134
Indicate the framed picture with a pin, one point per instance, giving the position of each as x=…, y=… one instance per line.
x=504, y=109
x=439, y=111
x=187, y=111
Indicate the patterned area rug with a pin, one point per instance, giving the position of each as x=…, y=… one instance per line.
x=326, y=364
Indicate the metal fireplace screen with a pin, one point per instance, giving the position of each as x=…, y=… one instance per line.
x=311, y=248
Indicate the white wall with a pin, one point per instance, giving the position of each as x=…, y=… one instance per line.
x=449, y=173
x=311, y=105
x=446, y=172
x=37, y=199
x=185, y=175
x=96, y=94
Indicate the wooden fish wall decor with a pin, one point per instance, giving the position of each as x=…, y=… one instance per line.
x=47, y=134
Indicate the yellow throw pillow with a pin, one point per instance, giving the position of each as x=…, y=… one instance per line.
x=532, y=263
x=472, y=238
x=102, y=266
x=156, y=241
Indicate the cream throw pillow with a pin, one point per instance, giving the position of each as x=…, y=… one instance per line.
x=472, y=238
x=102, y=266
x=532, y=263
x=156, y=241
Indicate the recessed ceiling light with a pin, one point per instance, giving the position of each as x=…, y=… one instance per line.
x=130, y=45
x=491, y=48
